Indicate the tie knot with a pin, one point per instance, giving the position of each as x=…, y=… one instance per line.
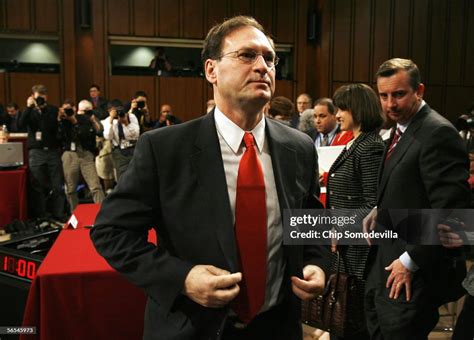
x=399, y=132
x=249, y=141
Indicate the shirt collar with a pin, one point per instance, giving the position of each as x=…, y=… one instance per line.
x=403, y=127
x=233, y=134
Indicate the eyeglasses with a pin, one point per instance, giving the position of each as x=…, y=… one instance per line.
x=250, y=56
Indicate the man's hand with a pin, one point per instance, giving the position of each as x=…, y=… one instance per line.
x=133, y=105
x=369, y=222
x=112, y=115
x=61, y=114
x=210, y=286
x=311, y=286
x=30, y=102
x=448, y=237
x=399, y=278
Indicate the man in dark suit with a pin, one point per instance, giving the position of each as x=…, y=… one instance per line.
x=425, y=166
x=327, y=130
x=188, y=182
x=99, y=103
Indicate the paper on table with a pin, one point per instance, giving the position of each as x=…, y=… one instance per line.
x=327, y=155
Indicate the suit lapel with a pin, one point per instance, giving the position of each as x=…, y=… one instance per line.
x=207, y=161
x=345, y=154
x=407, y=139
x=283, y=162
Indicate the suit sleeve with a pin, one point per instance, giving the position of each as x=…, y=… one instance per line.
x=316, y=255
x=444, y=169
x=121, y=231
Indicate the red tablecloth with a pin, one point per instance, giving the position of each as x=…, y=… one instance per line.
x=77, y=295
x=13, y=195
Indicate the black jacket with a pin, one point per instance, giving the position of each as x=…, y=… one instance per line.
x=186, y=201
x=44, y=121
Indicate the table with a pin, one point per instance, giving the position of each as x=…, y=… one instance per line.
x=77, y=295
x=13, y=195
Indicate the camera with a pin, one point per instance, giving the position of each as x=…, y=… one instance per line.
x=140, y=104
x=465, y=123
x=88, y=113
x=121, y=112
x=40, y=101
x=69, y=112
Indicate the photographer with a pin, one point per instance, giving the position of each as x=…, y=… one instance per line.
x=160, y=64
x=77, y=133
x=140, y=109
x=122, y=129
x=40, y=119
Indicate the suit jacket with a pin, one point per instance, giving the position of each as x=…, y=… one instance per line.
x=352, y=179
x=428, y=169
x=340, y=138
x=176, y=184
x=101, y=107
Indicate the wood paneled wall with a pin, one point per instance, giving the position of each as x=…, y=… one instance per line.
x=191, y=19
x=355, y=36
x=30, y=16
x=184, y=19
x=358, y=35
x=21, y=83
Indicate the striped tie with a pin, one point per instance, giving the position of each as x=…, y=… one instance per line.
x=396, y=138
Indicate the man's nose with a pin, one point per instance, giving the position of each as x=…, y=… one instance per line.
x=261, y=65
x=392, y=101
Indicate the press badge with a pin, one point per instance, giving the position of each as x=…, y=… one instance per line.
x=38, y=136
x=73, y=146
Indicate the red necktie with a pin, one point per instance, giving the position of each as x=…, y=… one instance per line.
x=251, y=232
x=398, y=134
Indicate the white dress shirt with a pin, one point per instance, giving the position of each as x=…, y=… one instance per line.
x=232, y=148
x=111, y=131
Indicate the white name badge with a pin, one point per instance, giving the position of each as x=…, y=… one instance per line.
x=38, y=136
x=73, y=146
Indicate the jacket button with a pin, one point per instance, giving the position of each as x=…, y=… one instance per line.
x=332, y=175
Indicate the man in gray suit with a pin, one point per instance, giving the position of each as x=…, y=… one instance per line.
x=425, y=166
x=185, y=181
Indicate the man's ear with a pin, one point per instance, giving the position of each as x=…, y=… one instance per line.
x=210, y=68
x=420, y=91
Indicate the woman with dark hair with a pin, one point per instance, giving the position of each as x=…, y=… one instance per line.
x=352, y=180
x=281, y=109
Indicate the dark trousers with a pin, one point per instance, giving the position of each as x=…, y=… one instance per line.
x=274, y=324
x=389, y=319
x=46, y=178
x=465, y=325
x=121, y=159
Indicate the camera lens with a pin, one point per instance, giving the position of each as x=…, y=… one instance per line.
x=40, y=101
x=69, y=112
x=140, y=104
